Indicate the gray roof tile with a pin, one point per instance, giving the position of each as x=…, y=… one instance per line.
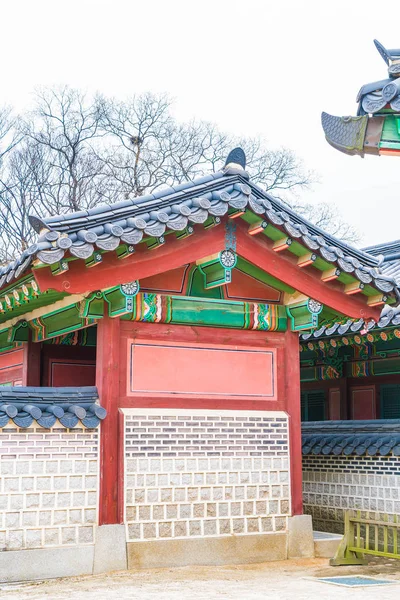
x=24, y=405
x=351, y=437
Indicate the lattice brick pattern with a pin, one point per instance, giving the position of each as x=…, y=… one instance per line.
x=48, y=487
x=205, y=473
x=332, y=484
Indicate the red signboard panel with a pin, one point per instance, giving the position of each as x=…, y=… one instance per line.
x=187, y=369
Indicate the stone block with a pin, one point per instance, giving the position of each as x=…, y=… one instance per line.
x=326, y=544
x=51, y=537
x=15, y=540
x=33, y=538
x=244, y=549
x=45, y=563
x=110, y=549
x=300, y=537
x=68, y=535
x=85, y=535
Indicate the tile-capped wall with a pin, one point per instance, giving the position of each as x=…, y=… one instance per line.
x=48, y=487
x=205, y=473
x=333, y=484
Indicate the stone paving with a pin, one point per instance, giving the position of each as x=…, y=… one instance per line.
x=287, y=580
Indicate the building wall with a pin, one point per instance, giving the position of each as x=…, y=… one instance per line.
x=352, y=398
x=332, y=484
x=194, y=473
x=48, y=487
x=11, y=364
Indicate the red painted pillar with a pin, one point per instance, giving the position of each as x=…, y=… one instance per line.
x=31, y=368
x=107, y=381
x=292, y=393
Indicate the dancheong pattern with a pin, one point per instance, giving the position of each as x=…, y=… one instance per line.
x=155, y=308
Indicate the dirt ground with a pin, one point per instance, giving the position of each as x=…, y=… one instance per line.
x=288, y=580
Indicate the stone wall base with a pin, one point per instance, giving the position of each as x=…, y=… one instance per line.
x=111, y=553
x=107, y=554
x=207, y=551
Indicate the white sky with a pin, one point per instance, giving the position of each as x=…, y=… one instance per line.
x=253, y=67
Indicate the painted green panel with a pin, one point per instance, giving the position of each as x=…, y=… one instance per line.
x=43, y=300
x=4, y=342
x=274, y=234
x=307, y=374
x=250, y=217
x=260, y=275
x=322, y=265
x=298, y=249
x=116, y=302
x=386, y=366
x=63, y=320
x=212, y=313
x=196, y=286
x=390, y=137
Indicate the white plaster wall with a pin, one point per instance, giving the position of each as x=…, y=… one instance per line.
x=48, y=487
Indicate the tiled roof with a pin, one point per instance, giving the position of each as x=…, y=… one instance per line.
x=70, y=405
x=380, y=437
x=180, y=207
x=389, y=253
x=390, y=317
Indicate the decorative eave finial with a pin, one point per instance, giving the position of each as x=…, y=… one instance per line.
x=374, y=130
x=236, y=162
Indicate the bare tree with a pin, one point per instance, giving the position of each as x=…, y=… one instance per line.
x=20, y=195
x=150, y=149
x=66, y=124
x=73, y=152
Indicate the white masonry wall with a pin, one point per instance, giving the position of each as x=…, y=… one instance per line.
x=333, y=484
x=195, y=473
x=48, y=487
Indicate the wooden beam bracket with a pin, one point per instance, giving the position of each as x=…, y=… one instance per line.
x=154, y=243
x=258, y=227
x=330, y=274
x=125, y=250
x=282, y=244
x=377, y=300
x=306, y=259
x=354, y=288
x=93, y=260
x=217, y=269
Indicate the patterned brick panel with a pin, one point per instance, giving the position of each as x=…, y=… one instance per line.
x=48, y=487
x=332, y=484
x=205, y=473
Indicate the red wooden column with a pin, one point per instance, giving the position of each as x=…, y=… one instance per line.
x=31, y=367
x=107, y=381
x=292, y=394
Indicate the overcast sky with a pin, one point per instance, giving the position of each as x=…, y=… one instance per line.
x=255, y=67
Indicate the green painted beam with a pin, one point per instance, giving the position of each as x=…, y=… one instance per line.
x=250, y=269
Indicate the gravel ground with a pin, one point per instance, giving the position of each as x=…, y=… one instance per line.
x=288, y=580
